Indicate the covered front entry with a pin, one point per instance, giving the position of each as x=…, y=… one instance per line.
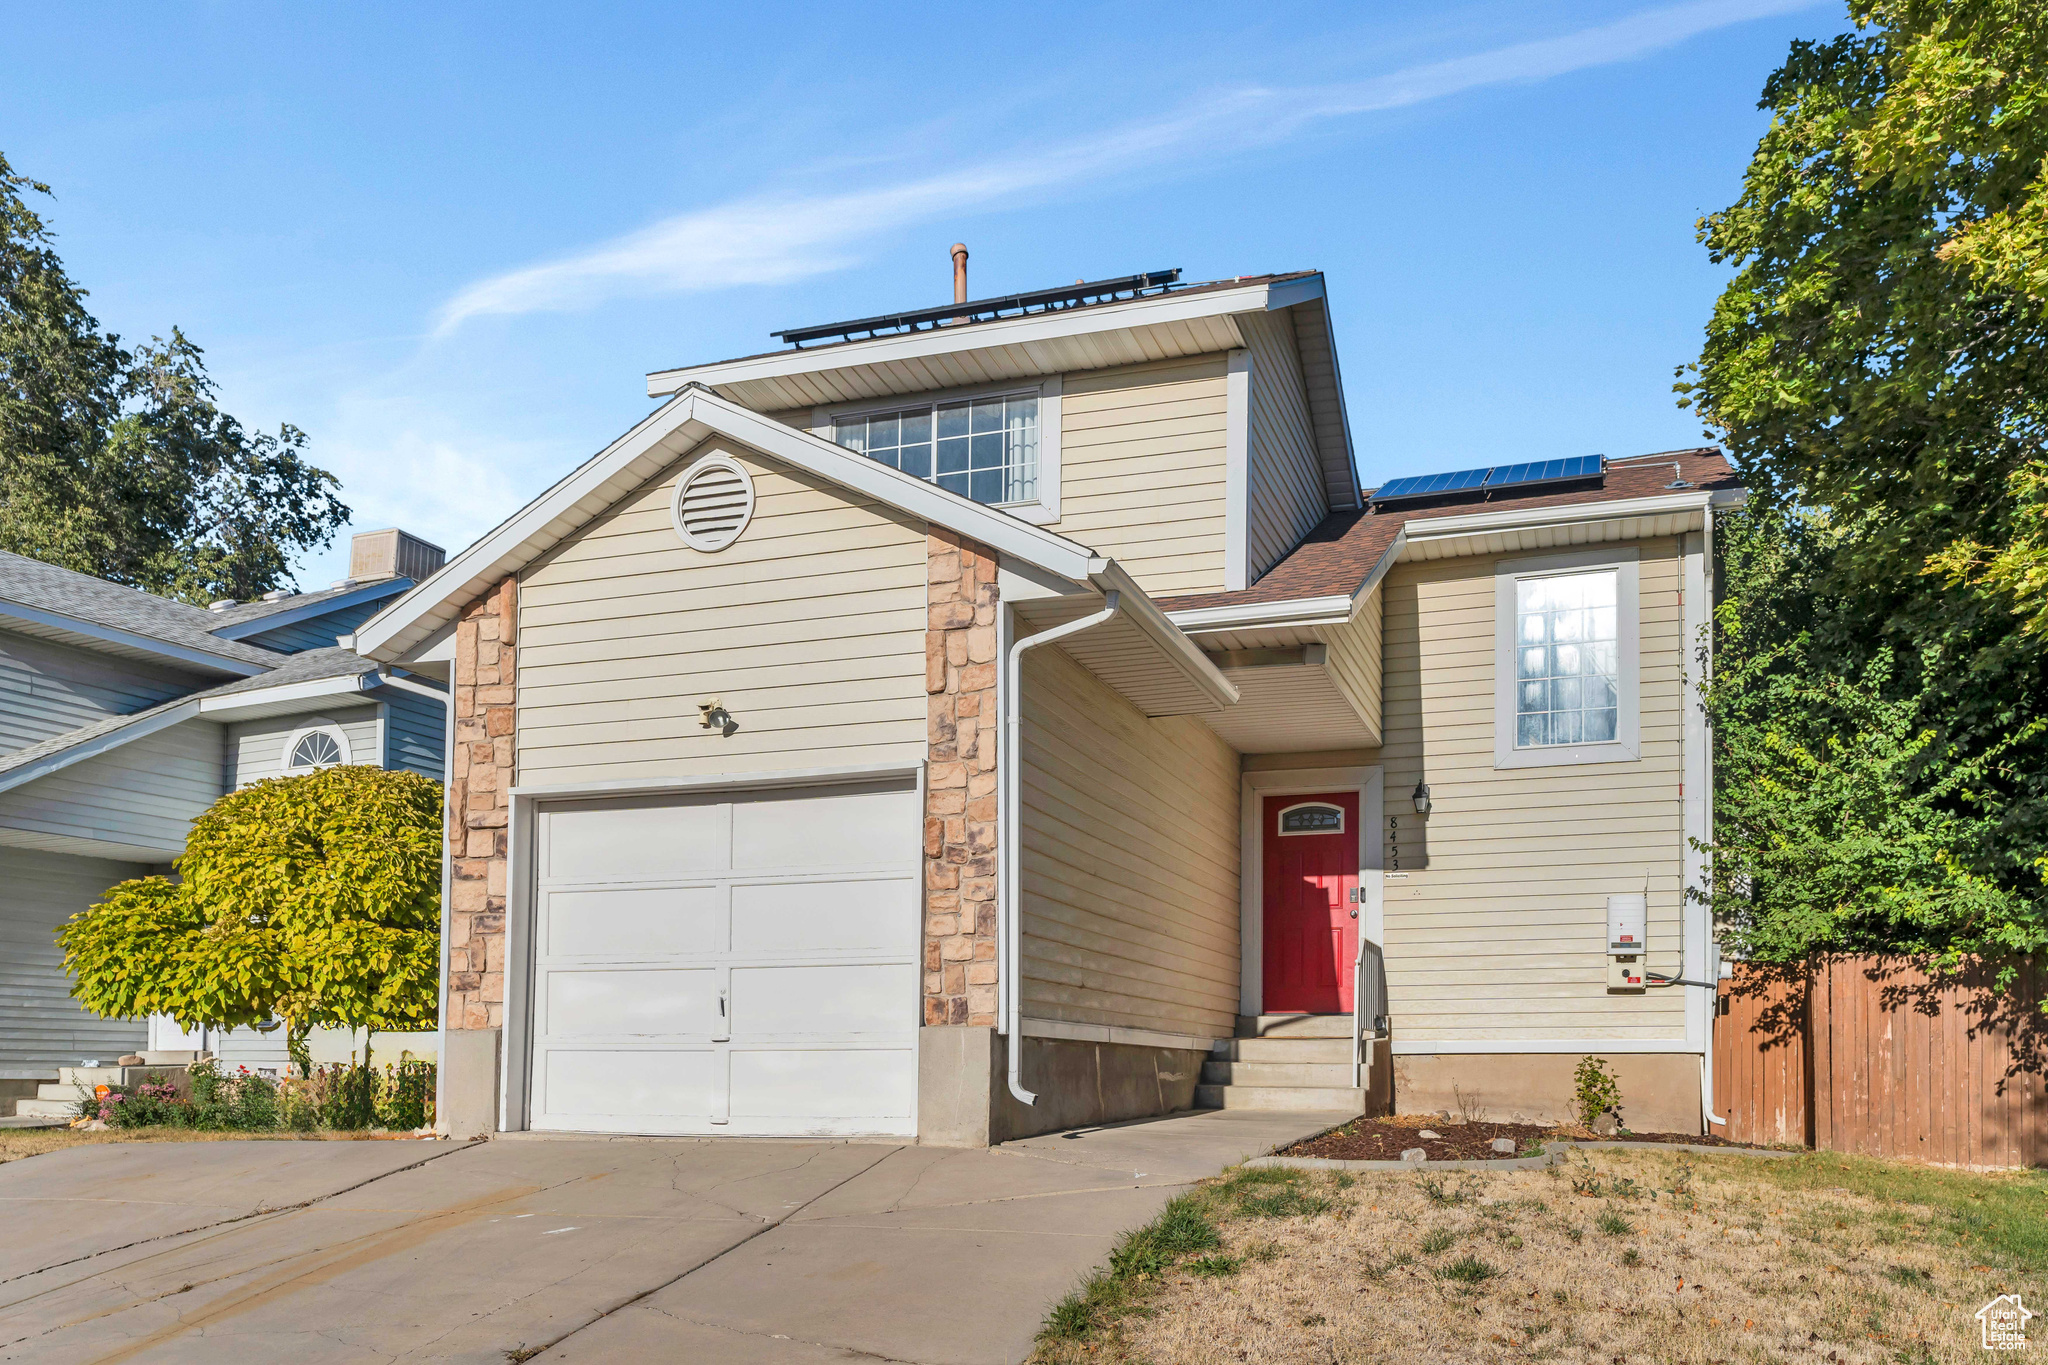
x=737, y=962
x=1310, y=863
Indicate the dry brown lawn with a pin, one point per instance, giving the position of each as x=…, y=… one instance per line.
x=1615, y=1256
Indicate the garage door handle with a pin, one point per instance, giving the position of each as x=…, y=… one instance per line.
x=721, y=1004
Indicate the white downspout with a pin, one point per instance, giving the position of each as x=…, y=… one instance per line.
x=1008, y=833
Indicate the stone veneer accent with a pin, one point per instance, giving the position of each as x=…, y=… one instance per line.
x=960, y=782
x=480, y=806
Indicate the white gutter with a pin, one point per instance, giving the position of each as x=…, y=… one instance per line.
x=341, y=684
x=1008, y=839
x=113, y=738
x=1298, y=611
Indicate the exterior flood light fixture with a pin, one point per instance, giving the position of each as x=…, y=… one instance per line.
x=1421, y=797
x=716, y=717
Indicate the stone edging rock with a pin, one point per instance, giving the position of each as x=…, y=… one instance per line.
x=1552, y=1153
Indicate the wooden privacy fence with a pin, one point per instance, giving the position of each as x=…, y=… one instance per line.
x=1875, y=1055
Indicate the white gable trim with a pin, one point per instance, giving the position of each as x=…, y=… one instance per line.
x=664, y=436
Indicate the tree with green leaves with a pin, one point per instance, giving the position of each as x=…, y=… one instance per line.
x=119, y=462
x=311, y=900
x=1878, y=368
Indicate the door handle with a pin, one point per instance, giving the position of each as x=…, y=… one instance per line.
x=1354, y=914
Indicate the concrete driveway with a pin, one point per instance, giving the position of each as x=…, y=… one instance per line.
x=572, y=1249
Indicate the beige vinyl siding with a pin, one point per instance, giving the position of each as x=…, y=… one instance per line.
x=1355, y=662
x=809, y=628
x=1143, y=468
x=256, y=747
x=1325, y=389
x=139, y=799
x=1284, y=480
x=1498, y=930
x=1130, y=854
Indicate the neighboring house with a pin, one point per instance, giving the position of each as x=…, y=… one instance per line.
x=1016, y=715
x=123, y=716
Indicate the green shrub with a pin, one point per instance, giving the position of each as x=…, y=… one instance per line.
x=1595, y=1091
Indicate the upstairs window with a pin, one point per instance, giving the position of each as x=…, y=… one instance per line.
x=981, y=448
x=1567, y=676
x=1566, y=659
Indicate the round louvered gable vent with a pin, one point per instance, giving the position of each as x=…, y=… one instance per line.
x=713, y=503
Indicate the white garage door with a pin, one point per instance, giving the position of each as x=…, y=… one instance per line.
x=728, y=964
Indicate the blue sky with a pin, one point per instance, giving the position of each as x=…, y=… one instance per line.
x=449, y=242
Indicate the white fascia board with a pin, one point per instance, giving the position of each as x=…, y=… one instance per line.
x=256, y=625
x=379, y=681
x=114, y=635
x=1145, y=613
x=1021, y=331
x=1334, y=609
x=316, y=690
x=509, y=545
x=1515, y=519
x=99, y=744
x=1287, y=293
x=696, y=414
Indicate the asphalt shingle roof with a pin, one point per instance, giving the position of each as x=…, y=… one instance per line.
x=82, y=597
x=1336, y=556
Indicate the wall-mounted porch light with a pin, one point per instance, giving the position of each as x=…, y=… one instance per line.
x=714, y=716
x=1421, y=796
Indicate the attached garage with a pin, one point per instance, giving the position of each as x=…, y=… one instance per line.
x=726, y=962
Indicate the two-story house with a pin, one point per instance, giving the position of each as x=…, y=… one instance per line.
x=1017, y=714
x=123, y=716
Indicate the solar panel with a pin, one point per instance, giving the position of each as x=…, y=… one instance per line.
x=1543, y=471
x=1431, y=485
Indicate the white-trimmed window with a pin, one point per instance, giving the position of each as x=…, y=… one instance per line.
x=1566, y=659
x=998, y=446
x=315, y=745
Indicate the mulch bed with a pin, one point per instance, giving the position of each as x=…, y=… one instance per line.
x=1385, y=1140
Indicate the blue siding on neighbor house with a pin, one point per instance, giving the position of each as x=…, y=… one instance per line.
x=47, y=689
x=414, y=728
x=316, y=632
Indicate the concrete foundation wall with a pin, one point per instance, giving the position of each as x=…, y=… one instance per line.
x=1660, y=1092
x=467, y=1103
x=964, y=1098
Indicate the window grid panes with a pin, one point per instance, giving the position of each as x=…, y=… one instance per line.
x=981, y=448
x=1566, y=681
x=316, y=750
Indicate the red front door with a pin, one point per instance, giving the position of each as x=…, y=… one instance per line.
x=1310, y=857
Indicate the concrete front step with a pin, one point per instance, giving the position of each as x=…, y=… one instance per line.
x=1294, y=1051
x=90, y=1076
x=1315, y=1075
x=1294, y=1026
x=47, y=1109
x=1281, y=1097
x=19, y=1121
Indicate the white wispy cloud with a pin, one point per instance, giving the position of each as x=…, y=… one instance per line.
x=775, y=238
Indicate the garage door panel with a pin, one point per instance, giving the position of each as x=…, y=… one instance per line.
x=835, y=916
x=632, y=921
x=866, y=829
x=628, y=1083
x=802, y=907
x=798, y=1083
x=631, y=1003
x=825, y=999
x=624, y=842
